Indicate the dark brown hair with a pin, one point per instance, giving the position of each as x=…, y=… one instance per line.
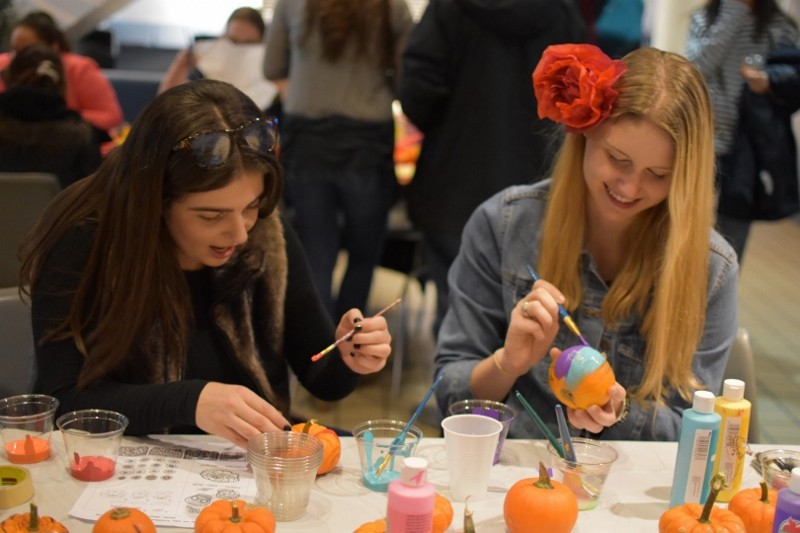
x=36, y=66
x=365, y=23
x=132, y=285
x=46, y=29
x=249, y=15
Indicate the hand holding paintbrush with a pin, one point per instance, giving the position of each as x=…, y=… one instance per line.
x=349, y=335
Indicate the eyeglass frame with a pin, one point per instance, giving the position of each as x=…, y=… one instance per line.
x=269, y=122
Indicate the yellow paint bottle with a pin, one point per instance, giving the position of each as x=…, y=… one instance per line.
x=735, y=413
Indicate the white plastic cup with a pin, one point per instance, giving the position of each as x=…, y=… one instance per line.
x=497, y=410
x=470, y=441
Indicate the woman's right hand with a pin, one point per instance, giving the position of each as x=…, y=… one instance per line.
x=236, y=413
x=533, y=328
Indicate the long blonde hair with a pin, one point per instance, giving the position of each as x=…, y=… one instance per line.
x=665, y=274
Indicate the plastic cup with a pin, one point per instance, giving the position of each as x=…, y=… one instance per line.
x=285, y=464
x=471, y=442
x=586, y=477
x=497, y=410
x=776, y=466
x=92, y=438
x=26, y=424
x=374, y=440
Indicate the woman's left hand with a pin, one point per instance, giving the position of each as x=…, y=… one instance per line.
x=368, y=349
x=596, y=417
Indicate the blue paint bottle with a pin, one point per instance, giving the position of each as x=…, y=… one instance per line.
x=697, y=448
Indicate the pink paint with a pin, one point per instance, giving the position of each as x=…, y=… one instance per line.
x=91, y=468
x=28, y=450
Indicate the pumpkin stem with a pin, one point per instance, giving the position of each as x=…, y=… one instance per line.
x=469, y=523
x=235, y=517
x=33, y=523
x=717, y=482
x=308, y=425
x=544, y=478
x=120, y=513
x=764, y=491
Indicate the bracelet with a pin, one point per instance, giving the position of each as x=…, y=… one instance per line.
x=503, y=370
x=626, y=408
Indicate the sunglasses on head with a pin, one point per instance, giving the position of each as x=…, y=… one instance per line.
x=213, y=148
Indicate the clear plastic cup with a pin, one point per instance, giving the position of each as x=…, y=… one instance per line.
x=26, y=424
x=285, y=464
x=374, y=440
x=497, y=410
x=586, y=477
x=92, y=438
x=471, y=442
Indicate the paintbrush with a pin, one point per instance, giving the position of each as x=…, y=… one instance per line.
x=349, y=335
x=540, y=423
x=562, y=312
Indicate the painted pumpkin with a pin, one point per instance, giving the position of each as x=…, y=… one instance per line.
x=233, y=516
x=756, y=508
x=31, y=522
x=442, y=518
x=331, y=445
x=540, y=505
x=123, y=520
x=696, y=518
x=581, y=376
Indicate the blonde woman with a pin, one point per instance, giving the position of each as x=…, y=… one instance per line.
x=621, y=236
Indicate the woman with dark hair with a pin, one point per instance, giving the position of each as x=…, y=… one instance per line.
x=38, y=133
x=730, y=40
x=88, y=91
x=334, y=61
x=167, y=287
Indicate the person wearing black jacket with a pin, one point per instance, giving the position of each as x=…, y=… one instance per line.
x=167, y=287
x=466, y=84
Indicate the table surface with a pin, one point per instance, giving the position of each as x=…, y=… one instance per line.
x=635, y=495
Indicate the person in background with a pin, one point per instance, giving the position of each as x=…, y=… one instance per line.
x=466, y=86
x=167, y=287
x=88, y=91
x=724, y=36
x=245, y=26
x=621, y=236
x=38, y=133
x=336, y=62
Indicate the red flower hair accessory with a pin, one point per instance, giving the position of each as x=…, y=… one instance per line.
x=574, y=85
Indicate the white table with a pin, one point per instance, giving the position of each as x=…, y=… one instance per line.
x=635, y=494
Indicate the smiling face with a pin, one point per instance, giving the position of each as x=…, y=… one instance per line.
x=207, y=227
x=627, y=166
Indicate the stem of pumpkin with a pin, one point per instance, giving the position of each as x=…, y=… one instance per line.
x=544, y=478
x=120, y=513
x=764, y=492
x=308, y=425
x=33, y=523
x=235, y=518
x=717, y=482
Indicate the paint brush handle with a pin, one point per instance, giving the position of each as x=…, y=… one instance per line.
x=571, y=325
x=566, y=439
x=540, y=424
x=349, y=335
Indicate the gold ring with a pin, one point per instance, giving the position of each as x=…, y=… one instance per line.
x=525, y=309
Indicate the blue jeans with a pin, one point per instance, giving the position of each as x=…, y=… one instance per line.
x=342, y=207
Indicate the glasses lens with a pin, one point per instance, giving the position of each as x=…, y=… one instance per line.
x=261, y=136
x=211, y=149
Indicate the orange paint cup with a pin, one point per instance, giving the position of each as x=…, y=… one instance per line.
x=26, y=424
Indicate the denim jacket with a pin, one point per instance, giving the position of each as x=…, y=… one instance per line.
x=489, y=277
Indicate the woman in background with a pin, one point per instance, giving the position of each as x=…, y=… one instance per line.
x=38, y=133
x=335, y=62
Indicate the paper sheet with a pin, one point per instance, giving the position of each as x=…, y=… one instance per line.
x=171, y=483
x=241, y=65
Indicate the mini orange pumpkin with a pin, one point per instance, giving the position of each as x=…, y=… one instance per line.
x=442, y=518
x=540, y=505
x=331, y=445
x=31, y=522
x=123, y=520
x=756, y=508
x=232, y=516
x=694, y=518
x=580, y=377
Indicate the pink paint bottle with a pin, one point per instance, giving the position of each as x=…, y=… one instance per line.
x=411, y=499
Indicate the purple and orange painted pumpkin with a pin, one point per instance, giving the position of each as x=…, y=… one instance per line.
x=581, y=376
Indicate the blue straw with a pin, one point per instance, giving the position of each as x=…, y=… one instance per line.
x=571, y=325
x=566, y=439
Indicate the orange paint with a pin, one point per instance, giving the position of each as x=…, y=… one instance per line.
x=91, y=468
x=28, y=450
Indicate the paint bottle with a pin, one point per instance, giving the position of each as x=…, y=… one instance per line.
x=787, y=506
x=735, y=413
x=411, y=499
x=697, y=447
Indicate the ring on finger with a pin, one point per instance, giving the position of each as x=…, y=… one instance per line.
x=525, y=309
